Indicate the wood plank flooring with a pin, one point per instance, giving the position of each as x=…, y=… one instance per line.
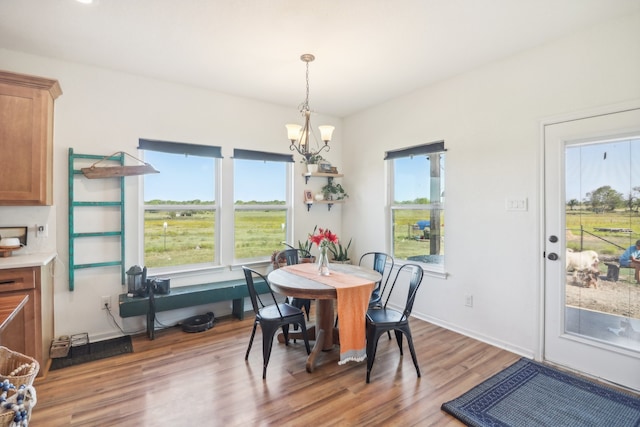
x=202, y=379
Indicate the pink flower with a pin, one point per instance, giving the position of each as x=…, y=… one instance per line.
x=323, y=238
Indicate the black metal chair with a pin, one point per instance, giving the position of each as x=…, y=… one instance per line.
x=271, y=317
x=383, y=319
x=292, y=256
x=379, y=264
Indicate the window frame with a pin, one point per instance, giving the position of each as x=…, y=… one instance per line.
x=264, y=156
x=179, y=148
x=424, y=149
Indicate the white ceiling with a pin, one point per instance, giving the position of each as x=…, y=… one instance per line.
x=367, y=51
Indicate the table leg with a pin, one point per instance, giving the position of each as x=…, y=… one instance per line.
x=324, y=339
x=323, y=332
x=324, y=320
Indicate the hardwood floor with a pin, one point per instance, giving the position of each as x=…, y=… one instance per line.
x=202, y=379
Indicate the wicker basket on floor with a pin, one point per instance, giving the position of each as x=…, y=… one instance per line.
x=17, y=368
x=8, y=416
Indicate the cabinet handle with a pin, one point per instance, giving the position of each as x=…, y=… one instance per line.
x=8, y=282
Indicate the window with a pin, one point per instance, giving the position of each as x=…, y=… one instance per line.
x=417, y=203
x=180, y=204
x=262, y=202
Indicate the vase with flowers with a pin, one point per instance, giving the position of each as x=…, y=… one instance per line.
x=323, y=239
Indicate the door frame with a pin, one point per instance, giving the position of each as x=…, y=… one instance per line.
x=540, y=245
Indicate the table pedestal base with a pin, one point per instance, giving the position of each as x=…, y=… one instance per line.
x=324, y=334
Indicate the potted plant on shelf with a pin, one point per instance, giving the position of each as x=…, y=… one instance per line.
x=333, y=191
x=305, y=248
x=312, y=162
x=339, y=252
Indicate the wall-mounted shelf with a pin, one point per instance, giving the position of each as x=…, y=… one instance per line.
x=329, y=203
x=329, y=176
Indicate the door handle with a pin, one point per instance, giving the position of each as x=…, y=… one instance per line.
x=553, y=256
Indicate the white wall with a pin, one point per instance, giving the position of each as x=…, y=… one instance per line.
x=489, y=119
x=102, y=112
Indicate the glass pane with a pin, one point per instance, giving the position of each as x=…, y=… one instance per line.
x=181, y=230
x=413, y=238
x=418, y=208
x=181, y=178
x=258, y=181
x=602, y=221
x=178, y=237
x=259, y=232
x=411, y=181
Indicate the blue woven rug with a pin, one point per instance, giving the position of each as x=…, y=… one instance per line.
x=530, y=394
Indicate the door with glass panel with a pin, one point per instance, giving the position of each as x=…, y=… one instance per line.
x=592, y=215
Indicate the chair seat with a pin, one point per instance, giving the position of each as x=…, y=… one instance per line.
x=271, y=312
x=384, y=316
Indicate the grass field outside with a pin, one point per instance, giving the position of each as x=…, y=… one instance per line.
x=583, y=234
x=189, y=236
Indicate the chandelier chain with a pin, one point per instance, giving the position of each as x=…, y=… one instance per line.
x=306, y=101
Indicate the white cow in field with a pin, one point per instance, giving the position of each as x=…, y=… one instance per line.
x=585, y=263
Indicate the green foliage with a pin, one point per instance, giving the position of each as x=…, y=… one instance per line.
x=190, y=239
x=573, y=203
x=606, y=242
x=174, y=202
x=605, y=198
x=405, y=243
x=333, y=191
x=312, y=160
x=254, y=202
x=305, y=245
x=339, y=252
x=417, y=201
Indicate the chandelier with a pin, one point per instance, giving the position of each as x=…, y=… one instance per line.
x=300, y=136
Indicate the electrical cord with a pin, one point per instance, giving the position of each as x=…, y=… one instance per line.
x=115, y=322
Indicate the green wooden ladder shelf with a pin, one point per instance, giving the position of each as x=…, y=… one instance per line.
x=77, y=174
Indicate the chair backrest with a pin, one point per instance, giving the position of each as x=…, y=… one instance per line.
x=415, y=279
x=256, y=301
x=289, y=255
x=379, y=264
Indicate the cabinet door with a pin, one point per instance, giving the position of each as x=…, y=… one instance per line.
x=26, y=139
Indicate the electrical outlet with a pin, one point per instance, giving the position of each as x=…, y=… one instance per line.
x=468, y=300
x=42, y=231
x=105, y=302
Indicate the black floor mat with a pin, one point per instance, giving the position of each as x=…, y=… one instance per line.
x=93, y=351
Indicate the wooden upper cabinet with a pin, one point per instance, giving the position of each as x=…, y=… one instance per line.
x=26, y=139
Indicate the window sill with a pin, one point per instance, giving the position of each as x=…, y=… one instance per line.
x=431, y=270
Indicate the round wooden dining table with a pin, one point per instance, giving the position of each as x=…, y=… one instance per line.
x=290, y=284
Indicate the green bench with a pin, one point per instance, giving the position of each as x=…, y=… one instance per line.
x=189, y=296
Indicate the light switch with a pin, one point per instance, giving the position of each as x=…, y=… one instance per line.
x=517, y=204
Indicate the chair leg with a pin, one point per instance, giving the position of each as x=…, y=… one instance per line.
x=267, y=344
x=253, y=332
x=307, y=307
x=372, y=346
x=305, y=336
x=413, y=353
x=399, y=340
x=285, y=332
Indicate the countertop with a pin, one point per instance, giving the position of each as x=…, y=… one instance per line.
x=19, y=260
